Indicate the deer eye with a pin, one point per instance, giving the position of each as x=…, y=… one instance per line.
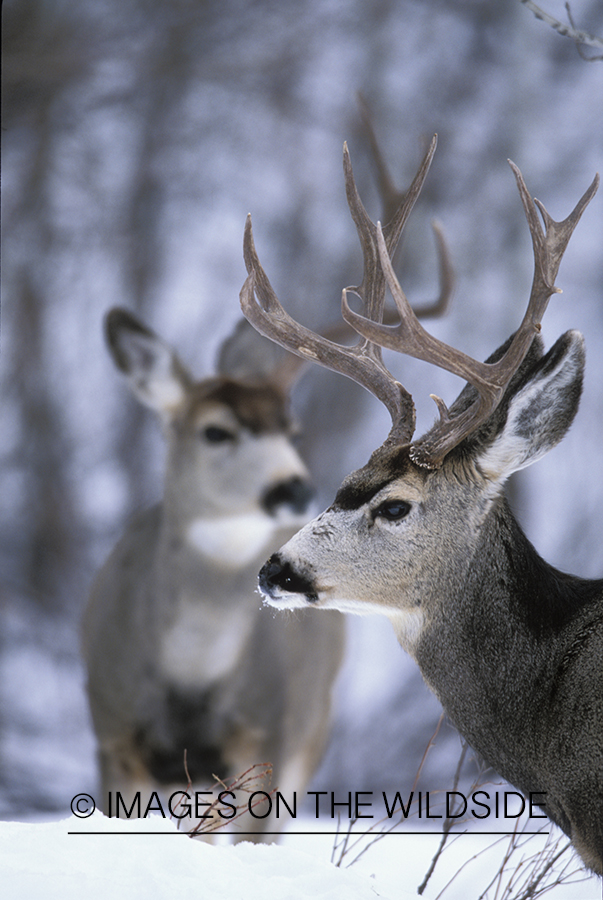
x=393, y=510
x=213, y=434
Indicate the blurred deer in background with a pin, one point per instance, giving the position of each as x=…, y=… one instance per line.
x=422, y=533
x=180, y=654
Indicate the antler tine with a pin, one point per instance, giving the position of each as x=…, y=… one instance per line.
x=372, y=288
x=271, y=320
x=490, y=379
x=391, y=197
x=549, y=247
x=439, y=306
x=391, y=201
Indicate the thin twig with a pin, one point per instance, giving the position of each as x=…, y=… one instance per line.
x=511, y=848
x=446, y=826
x=248, y=781
x=570, y=31
x=468, y=862
x=346, y=845
x=532, y=887
x=581, y=52
x=430, y=744
x=189, y=783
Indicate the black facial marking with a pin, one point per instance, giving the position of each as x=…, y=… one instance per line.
x=295, y=493
x=383, y=467
x=278, y=574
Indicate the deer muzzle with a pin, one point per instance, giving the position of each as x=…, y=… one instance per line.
x=294, y=495
x=278, y=579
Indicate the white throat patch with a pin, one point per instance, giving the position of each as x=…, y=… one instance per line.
x=232, y=541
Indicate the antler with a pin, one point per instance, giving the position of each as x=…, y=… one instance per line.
x=362, y=362
x=396, y=205
x=391, y=200
x=489, y=379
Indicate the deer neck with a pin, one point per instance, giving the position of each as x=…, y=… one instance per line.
x=225, y=544
x=492, y=653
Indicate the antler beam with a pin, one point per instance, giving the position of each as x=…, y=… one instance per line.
x=362, y=362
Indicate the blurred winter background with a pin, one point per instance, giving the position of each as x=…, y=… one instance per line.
x=136, y=136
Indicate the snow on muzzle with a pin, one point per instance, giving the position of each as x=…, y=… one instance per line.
x=278, y=578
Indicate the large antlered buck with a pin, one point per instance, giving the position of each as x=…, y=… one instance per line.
x=422, y=533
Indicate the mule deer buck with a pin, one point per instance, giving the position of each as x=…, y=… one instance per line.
x=180, y=655
x=422, y=533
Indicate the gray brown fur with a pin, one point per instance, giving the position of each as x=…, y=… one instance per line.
x=234, y=685
x=423, y=535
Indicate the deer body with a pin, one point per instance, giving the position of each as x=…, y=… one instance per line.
x=512, y=648
x=180, y=655
x=422, y=534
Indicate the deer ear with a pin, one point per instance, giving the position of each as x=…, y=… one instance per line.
x=152, y=369
x=248, y=356
x=540, y=411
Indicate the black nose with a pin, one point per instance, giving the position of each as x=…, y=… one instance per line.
x=279, y=575
x=294, y=493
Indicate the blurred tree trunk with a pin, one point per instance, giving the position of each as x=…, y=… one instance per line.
x=38, y=59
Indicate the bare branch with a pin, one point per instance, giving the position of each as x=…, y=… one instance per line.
x=448, y=823
x=570, y=31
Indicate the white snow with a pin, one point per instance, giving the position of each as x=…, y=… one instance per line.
x=150, y=858
x=99, y=857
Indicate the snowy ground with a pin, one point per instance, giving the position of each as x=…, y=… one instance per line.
x=75, y=858
x=44, y=859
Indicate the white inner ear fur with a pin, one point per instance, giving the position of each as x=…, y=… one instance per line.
x=162, y=394
x=154, y=375
x=539, y=416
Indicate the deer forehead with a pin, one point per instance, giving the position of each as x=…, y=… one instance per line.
x=258, y=408
x=202, y=413
x=450, y=504
x=386, y=471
